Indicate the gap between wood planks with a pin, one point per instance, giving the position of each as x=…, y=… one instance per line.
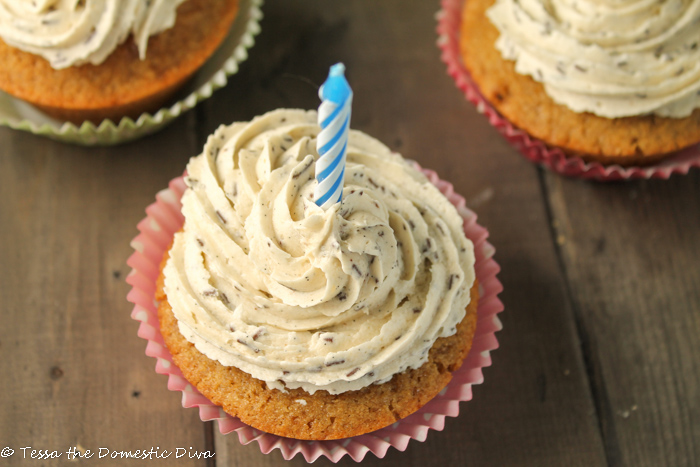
x=596, y=384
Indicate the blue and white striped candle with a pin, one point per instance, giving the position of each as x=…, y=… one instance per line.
x=332, y=141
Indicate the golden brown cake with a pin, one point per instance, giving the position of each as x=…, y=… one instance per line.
x=321, y=416
x=633, y=140
x=306, y=322
x=122, y=85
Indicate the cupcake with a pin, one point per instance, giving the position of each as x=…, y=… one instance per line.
x=609, y=84
x=95, y=60
x=308, y=323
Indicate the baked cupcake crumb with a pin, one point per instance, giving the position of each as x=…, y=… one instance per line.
x=321, y=416
x=523, y=101
x=123, y=85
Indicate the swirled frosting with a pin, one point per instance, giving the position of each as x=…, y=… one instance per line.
x=263, y=279
x=73, y=32
x=613, y=58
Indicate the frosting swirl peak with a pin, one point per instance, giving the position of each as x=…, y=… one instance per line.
x=263, y=279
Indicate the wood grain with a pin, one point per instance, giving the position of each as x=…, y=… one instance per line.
x=599, y=358
x=631, y=255
x=74, y=373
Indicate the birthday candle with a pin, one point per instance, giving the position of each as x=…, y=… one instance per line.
x=332, y=141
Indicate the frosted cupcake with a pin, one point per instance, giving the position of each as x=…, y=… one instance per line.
x=311, y=323
x=615, y=83
x=94, y=60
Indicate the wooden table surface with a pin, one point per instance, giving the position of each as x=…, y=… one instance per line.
x=599, y=358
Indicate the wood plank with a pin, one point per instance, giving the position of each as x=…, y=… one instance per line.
x=535, y=407
x=632, y=257
x=599, y=357
x=74, y=372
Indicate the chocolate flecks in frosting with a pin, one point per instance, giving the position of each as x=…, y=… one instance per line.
x=303, y=169
x=260, y=332
x=254, y=349
x=69, y=33
x=451, y=281
x=333, y=289
x=224, y=298
x=221, y=217
x=620, y=51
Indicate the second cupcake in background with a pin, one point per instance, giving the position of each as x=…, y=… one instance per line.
x=94, y=60
x=610, y=84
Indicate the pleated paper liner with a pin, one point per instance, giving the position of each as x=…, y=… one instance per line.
x=156, y=232
x=449, y=24
x=213, y=75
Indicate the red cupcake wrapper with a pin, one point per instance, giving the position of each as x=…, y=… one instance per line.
x=449, y=23
x=157, y=229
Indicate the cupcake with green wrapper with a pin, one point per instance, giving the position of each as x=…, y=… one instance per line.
x=103, y=72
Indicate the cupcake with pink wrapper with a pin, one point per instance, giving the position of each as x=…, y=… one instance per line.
x=585, y=98
x=325, y=328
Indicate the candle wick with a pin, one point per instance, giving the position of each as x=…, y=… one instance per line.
x=303, y=79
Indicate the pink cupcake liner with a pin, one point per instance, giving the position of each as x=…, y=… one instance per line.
x=449, y=23
x=163, y=219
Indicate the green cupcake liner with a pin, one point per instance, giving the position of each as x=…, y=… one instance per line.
x=213, y=75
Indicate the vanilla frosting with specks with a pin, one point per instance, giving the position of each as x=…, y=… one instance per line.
x=73, y=32
x=613, y=58
x=263, y=279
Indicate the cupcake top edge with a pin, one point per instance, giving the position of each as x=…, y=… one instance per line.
x=73, y=32
x=263, y=279
x=613, y=59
